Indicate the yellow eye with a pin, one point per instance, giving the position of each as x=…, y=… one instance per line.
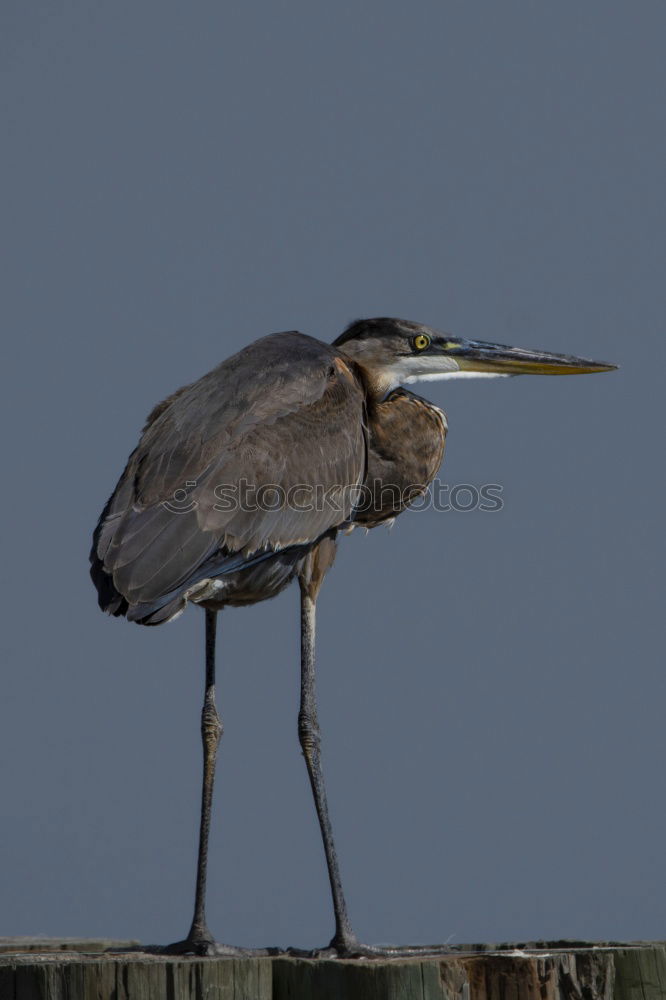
x=421, y=341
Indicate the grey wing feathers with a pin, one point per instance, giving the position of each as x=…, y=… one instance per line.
x=285, y=412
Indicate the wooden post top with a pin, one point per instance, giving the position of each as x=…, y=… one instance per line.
x=73, y=969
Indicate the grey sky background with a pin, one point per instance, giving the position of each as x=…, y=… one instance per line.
x=179, y=179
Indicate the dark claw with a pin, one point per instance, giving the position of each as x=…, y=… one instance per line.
x=356, y=949
x=202, y=948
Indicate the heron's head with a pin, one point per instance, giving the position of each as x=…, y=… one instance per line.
x=399, y=352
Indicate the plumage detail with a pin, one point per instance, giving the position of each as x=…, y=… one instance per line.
x=406, y=440
x=186, y=507
x=238, y=475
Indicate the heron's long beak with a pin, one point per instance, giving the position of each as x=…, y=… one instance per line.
x=478, y=356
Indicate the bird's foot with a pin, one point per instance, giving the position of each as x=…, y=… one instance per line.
x=203, y=946
x=351, y=947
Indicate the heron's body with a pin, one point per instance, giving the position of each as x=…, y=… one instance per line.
x=242, y=481
x=173, y=532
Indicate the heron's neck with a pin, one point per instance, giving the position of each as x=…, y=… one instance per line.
x=378, y=378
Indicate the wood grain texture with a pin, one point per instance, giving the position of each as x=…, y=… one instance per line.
x=38, y=969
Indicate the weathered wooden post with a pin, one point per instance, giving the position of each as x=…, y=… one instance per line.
x=32, y=969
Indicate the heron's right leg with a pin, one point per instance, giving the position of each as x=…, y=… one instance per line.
x=344, y=944
x=310, y=740
x=310, y=579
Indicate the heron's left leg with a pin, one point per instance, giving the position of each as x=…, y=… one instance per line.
x=211, y=734
x=199, y=940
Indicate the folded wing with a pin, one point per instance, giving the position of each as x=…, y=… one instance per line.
x=260, y=455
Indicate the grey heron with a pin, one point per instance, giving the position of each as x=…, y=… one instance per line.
x=241, y=482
